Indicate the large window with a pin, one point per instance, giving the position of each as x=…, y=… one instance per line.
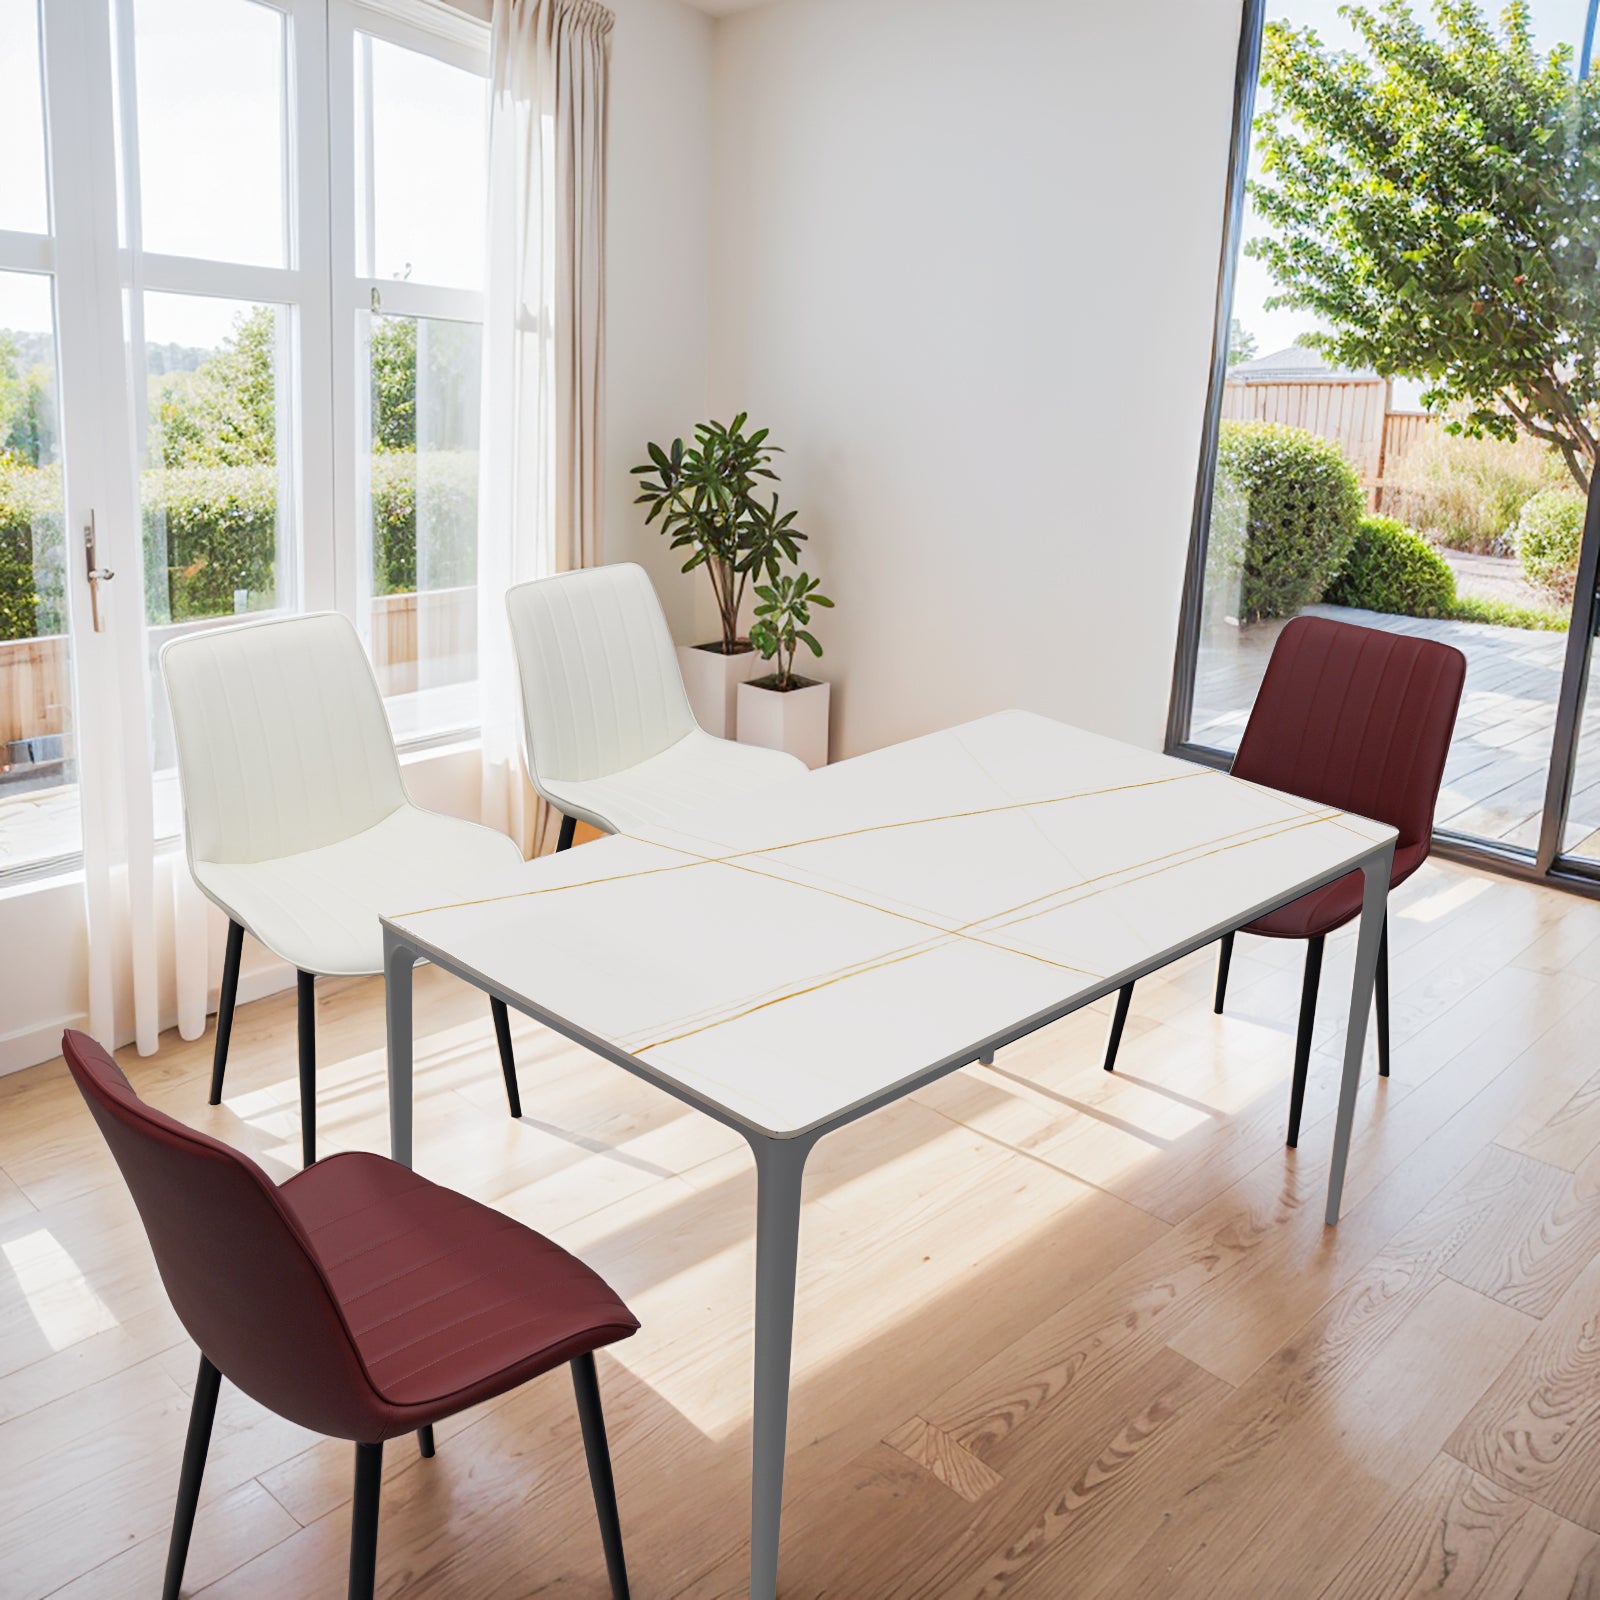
x=40, y=819
x=414, y=309
x=1405, y=408
x=288, y=196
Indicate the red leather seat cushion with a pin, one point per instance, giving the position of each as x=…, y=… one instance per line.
x=448, y=1301
x=1334, y=904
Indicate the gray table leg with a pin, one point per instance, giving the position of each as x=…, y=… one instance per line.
x=1374, y=902
x=398, y=961
x=780, y=1168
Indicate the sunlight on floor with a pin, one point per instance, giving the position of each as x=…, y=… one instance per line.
x=1446, y=901
x=879, y=1252
x=58, y=1297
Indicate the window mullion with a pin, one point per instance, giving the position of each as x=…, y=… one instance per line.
x=317, y=491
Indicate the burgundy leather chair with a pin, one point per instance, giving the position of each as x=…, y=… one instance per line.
x=1359, y=719
x=357, y=1299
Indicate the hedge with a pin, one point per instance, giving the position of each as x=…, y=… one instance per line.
x=1286, y=509
x=209, y=531
x=31, y=552
x=1473, y=608
x=1548, y=535
x=1391, y=569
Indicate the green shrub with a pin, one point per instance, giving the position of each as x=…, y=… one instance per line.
x=207, y=532
x=1472, y=608
x=1549, y=532
x=32, y=589
x=1392, y=569
x=1467, y=494
x=211, y=530
x=443, y=486
x=1293, y=503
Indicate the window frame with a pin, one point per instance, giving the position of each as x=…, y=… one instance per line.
x=298, y=288
x=437, y=29
x=1545, y=865
x=97, y=274
x=1180, y=705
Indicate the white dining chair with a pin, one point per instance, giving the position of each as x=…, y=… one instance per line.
x=607, y=734
x=297, y=822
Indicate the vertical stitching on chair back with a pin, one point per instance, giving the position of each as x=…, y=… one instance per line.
x=283, y=745
x=1356, y=718
x=242, y=1276
x=601, y=690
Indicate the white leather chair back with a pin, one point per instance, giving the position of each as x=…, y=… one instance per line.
x=601, y=690
x=283, y=744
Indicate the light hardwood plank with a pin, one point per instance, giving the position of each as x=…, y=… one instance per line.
x=1456, y=1536
x=1059, y=1336
x=1537, y=1431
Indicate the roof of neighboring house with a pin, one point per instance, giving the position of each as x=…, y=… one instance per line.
x=1296, y=365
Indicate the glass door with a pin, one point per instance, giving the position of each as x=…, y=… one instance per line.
x=216, y=297
x=1404, y=425
x=41, y=826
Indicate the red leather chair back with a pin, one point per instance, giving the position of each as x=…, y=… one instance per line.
x=1356, y=718
x=237, y=1267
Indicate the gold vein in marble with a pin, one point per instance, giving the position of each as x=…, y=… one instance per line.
x=793, y=844
x=906, y=953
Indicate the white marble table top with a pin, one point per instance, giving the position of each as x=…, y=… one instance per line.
x=827, y=943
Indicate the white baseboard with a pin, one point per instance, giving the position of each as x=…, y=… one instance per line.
x=27, y=1047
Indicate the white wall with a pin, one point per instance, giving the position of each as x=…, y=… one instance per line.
x=658, y=275
x=964, y=265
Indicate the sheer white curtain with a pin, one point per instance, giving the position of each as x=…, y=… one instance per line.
x=148, y=924
x=148, y=950
x=544, y=346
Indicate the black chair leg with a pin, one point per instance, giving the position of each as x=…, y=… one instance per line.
x=1383, y=1000
x=364, y=1522
x=230, y=992
x=508, y=1062
x=593, y=1422
x=569, y=827
x=201, y=1415
x=1224, y=961
x=308, y=1068
x=1118, y=1018
x=1302, y=1044
x=425, y=1442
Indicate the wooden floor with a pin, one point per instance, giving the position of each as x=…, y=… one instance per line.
x=1060, y=1334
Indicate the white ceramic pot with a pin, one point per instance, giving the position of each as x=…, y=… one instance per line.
x=712, y=680
x=795, y=720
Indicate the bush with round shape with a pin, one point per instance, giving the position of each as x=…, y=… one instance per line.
x=1394, y=570
x=32, y=552
x=1549, y=533
x=1298, y=503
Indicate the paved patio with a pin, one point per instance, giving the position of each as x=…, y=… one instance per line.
x=1495, y=779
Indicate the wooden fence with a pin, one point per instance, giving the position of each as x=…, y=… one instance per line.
x=417, y=641
x=422, y=640
x=35, y=690
x=1353, y=412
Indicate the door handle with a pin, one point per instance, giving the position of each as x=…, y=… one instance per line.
x=96, y=573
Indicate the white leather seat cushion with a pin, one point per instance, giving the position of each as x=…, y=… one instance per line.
x=697, y=772
x=319, y=910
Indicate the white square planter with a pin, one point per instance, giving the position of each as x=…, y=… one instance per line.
x=795, y=720
x=712, y=680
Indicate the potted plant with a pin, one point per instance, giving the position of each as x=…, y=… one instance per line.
x=782, y=710
x=708, y=498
